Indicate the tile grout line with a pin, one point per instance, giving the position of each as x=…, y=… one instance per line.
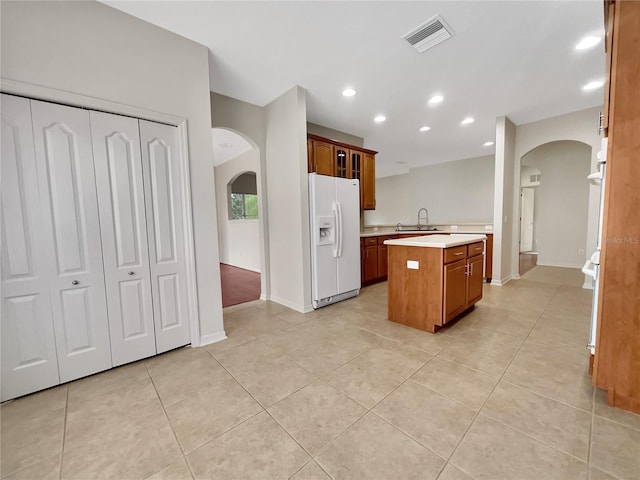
x=64, y=432
x=166, y=416
x=462, y=437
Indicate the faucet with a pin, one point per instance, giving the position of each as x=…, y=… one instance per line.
x=423, y=216
x=398, y=227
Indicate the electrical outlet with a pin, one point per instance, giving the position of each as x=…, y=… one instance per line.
x=581, y=251
x=488, y=227
x=454, y=227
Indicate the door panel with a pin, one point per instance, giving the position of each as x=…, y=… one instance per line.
x=165, y=229
x=526, y=219
x=348, y=195
x=118, y=167
x=324, y=161
x=474, y=285
x=455, y=295
x=29, y=360
x=70, y=223
x=322, y=201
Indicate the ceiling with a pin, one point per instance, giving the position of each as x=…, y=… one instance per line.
x=514, y=58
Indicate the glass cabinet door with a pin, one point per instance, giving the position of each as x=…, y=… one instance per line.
x=341, y=163
x=355, y=164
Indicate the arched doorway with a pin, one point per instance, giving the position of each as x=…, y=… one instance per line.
x=238, y=201
x=554, y=205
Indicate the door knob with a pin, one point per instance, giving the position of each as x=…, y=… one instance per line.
x=75, y=282
x=131, y=273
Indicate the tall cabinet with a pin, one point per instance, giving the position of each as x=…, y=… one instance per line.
x=93, y=266
x=616, y=365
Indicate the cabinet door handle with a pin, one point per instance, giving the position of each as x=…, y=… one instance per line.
x=458, y=253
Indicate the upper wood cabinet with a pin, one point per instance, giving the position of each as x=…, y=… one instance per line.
x=335, y=159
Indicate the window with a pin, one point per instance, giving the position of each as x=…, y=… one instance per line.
x=243, y=197
x=244, y=205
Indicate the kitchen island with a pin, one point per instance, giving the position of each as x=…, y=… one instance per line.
x=433, y=278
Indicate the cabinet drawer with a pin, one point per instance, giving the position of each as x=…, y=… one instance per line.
x=475, y=249
x=370, y=241
x=455, y=253
x=382, y=238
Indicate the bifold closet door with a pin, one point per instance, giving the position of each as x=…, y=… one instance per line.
x=70, y=227
x=29, y=360
x=165, y=227
x=118, y=166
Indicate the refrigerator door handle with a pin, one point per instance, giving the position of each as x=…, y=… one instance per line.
x=339, y=222
x=338, y=227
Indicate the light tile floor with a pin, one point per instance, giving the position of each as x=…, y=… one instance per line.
x=503, y=393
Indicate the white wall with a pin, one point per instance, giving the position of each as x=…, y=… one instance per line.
x=452, y=192
x=288, y=200
x=561, y=202
x=336, y=135
x=503, y=214
x=239, y=240
x=580, y=126
x=92, y=50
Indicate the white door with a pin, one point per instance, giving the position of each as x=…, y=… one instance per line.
x=348, y=196
x=323, y=205
x=28, y=343
x=70, y=225
x=526, y=219
x=118, y=166
x=165, y=230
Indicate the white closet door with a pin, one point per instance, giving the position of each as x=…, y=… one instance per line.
x=165, y=227
x=118, y=165
x=28, y=343
x=68, y=194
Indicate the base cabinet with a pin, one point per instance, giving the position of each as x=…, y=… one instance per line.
x=428, y=287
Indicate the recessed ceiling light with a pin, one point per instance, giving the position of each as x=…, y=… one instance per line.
x=380, y=119
x=348, y=92
x=225, y=145
x=467, y=121
x=593, y=85
x=588, y=42
x=401, y=162
x=487, y=144
x=436, y=99
x=425, y=129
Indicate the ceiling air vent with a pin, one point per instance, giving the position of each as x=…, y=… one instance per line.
x=429, y=34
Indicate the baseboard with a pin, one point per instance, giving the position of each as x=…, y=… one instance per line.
x=294, y=306
x=212, y=338
x=543, y=264
x=504, y=281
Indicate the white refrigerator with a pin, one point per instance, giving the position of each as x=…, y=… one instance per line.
x=334, y=205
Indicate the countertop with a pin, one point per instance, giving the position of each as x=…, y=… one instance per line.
x=437, y=241
x=428, y=232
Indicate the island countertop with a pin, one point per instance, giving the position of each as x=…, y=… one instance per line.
x=437, y=241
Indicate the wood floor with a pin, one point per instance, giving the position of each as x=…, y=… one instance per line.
x=238, y=285
x=528, y=260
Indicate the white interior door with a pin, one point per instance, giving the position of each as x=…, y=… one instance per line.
x=70, y=224
x=348, y=194
x=118, y=167
x=165, y=230
x=29, y=360
x=526, y=219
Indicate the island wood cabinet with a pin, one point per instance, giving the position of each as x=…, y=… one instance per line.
x=335, y=159
x=616, y=366
x=440, y=284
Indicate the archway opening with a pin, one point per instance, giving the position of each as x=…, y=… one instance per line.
x=554, y=205
x=238, y=200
